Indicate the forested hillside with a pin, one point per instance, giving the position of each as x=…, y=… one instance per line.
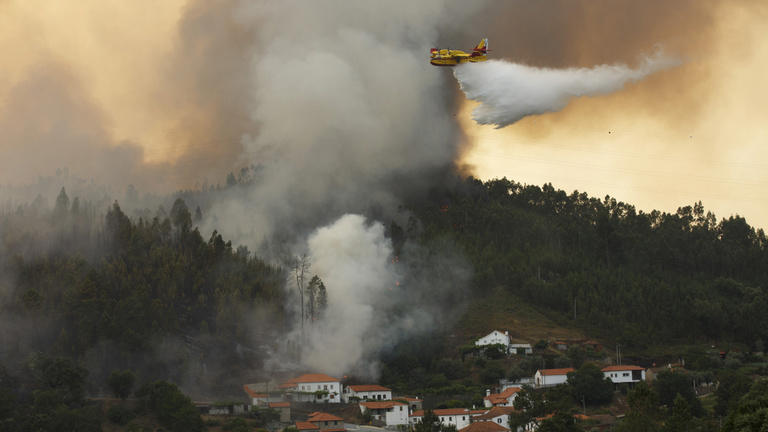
x=142, y=294
x=634, y=277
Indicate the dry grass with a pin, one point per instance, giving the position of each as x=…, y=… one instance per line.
x=503, y=311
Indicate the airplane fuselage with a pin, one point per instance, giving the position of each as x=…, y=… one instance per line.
x=450, y=57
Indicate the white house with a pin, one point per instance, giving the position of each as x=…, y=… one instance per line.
x=506, y=398
x=313, y=388
x=494, y=338
x=499, y=415
x=367, y=392
x=551, y=377
x=620, y=374
x=393, y=413
x=459, y=417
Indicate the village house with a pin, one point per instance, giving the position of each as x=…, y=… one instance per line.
x=414, y=403
x=260, y=394
x=318, y=388
x=459, y=417
x=320, y=421
x=366, y=392
x=392, y=413
x=484, y=427
x=495, y=338
x=499, y=415
x=551, y=377
x=505, y=398
x=620, y=374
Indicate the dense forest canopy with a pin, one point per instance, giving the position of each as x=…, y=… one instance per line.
x=625, y=274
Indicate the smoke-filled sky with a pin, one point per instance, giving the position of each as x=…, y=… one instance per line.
x=163, y=94
x=689, y=133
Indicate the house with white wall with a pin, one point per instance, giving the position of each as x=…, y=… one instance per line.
x=319, y=388
x=459, y=417
x=551, y=377
x=621, y=374
x=499, y=415
x=494, y=338
x=366, y=392
x=392, y=413
x=506, y=398
x=326, y=422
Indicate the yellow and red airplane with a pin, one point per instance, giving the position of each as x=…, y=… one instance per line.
x=449, y=57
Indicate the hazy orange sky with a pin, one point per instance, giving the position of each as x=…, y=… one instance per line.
x=145, y=83
x=695, y=132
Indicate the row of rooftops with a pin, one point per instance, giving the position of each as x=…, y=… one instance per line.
x=613, y=368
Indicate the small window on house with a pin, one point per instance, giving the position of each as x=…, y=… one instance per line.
x=401, y=408
x=463, y=417
x=499, y=420
x=625, y=374
x=325, y=387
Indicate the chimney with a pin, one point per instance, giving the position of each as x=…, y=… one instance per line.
x=506, y=333
x=487, y=392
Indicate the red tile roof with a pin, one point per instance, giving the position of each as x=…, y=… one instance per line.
x=495, y=412
x=368, y=388
x=550, y=372
x=381, y=404
x=484, y=427
x=621, y=368
x=279, y=404
x=252, y=393
x=312, y=378
x=407, y=398
x=306, y=426
x=321, y=416
x=500, y=398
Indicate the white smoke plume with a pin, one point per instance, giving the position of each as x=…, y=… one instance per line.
x=508, y=92
x=353, y=260
x=374, y=299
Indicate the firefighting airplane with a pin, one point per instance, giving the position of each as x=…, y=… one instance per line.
x=449, y=57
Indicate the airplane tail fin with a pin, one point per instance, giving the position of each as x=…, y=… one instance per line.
x=481, y=48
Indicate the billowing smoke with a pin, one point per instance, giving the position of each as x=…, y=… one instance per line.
x=350, y=119
x=508, y=91
x=354, y=261
x=374, y=298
